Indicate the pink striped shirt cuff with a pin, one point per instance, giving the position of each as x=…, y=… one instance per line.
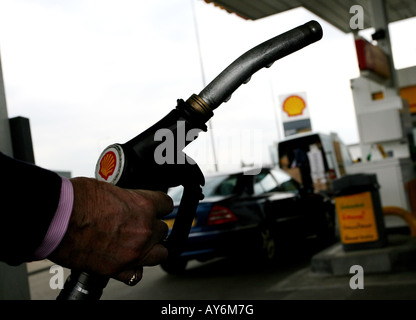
x=59, y=223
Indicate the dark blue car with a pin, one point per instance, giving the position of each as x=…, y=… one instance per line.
x=244, y=213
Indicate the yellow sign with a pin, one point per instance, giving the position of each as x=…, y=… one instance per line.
x=356, y=218
x=294, y=106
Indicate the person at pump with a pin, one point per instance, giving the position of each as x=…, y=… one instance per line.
x=80, y=223
x=301, y=161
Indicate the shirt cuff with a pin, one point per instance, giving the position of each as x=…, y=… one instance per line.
x=59, y=223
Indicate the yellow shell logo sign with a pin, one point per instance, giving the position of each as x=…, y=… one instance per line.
x=107, y=165
x=294, y=106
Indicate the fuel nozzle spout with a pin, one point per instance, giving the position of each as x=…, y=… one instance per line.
x=240, y=71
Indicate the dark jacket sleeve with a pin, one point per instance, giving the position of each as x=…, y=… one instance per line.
x=29, y=198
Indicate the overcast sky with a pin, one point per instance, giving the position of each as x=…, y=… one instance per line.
x=88, y=73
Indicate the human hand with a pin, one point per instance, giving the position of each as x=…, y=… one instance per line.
x=114, y=232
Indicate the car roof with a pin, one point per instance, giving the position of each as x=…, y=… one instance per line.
x=238, y=171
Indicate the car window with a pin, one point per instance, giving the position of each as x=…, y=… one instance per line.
x=214, y=186
x=220, y=186
x=274, y=180
x=285, y=181
x=265, y=182
x=280, y=176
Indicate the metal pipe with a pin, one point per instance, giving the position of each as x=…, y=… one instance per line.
x=263, y=55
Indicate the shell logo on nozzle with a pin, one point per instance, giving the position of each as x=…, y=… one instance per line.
x=107, y=165
x=294, y=106
x=110, y=164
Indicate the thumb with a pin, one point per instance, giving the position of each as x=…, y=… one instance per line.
x=162, y=203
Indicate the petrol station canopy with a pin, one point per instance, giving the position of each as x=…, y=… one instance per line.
x=336, y=12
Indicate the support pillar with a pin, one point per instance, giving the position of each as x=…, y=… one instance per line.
x=14, y=282
x=380, y=22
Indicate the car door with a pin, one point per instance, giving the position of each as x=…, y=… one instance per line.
x=248, y=207
x=282, y=206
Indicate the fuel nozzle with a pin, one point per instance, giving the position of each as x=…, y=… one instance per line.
x=134, y=164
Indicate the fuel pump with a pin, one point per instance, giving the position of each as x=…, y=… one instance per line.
x=135, y=164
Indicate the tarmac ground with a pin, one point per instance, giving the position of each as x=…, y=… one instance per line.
x=387, y=273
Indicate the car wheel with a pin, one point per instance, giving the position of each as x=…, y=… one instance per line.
x=268, y=243
x=174, y=266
